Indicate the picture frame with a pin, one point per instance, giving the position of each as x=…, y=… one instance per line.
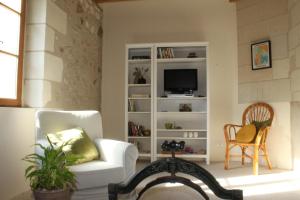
x=261, y=55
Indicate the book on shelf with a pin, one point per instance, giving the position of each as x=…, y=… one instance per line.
x=165, y=52
x=136, y=129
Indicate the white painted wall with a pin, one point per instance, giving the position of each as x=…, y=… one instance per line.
x=171, y=21
x=17, y=139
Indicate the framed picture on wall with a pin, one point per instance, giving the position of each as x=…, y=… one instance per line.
x=261, y=55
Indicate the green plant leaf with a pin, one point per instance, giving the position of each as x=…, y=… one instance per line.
x=41, y=146
x=28, y=169
x=49, y=171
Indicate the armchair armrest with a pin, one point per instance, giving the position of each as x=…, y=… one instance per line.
x=118, y=152
x=228, y=128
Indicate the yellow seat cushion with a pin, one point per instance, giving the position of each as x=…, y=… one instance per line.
x=79, y=144
x=246, y=134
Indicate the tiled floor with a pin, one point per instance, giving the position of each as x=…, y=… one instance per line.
x=273, y=184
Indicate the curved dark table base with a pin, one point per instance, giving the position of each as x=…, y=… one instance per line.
x=174, y=165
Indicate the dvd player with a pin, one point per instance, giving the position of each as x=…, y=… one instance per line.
x=180, y=95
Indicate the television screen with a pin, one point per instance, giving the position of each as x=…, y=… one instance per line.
x=180, y=80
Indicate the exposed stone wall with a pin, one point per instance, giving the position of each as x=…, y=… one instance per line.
x=63, y=54
x=259, y=20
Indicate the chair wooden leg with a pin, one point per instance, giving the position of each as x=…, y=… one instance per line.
x=227, y=156
x=243, y=155
x=255, y=160
x=267, y=157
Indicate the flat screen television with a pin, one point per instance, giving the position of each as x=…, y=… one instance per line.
x=179, y=81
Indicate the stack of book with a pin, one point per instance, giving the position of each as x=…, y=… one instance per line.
x=165, y=52
x=135, y=129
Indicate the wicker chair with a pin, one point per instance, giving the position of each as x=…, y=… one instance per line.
x=257, y=112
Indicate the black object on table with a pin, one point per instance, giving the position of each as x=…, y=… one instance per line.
x=174, y=165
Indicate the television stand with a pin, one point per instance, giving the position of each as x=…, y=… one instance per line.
x=180, y=95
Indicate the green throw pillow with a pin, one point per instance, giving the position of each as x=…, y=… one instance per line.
x=79, y=144
x=246, y=134
x=261, y=124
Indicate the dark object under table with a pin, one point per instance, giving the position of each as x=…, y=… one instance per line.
x=174, y=165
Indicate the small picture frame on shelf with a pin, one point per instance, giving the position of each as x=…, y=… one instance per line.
x=185, y=107
x=261, y=55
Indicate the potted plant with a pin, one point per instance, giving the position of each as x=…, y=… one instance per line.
x=139, y=73
x=49, y=175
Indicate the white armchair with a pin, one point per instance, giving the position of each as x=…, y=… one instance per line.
x=118, y=159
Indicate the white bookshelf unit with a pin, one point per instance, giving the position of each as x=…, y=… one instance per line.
x=149, y=109
x=139, y=99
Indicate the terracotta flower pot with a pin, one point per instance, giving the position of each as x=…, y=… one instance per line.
x=52, y=194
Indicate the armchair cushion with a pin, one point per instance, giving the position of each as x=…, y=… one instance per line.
x=79, y=144
x=246, y=134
